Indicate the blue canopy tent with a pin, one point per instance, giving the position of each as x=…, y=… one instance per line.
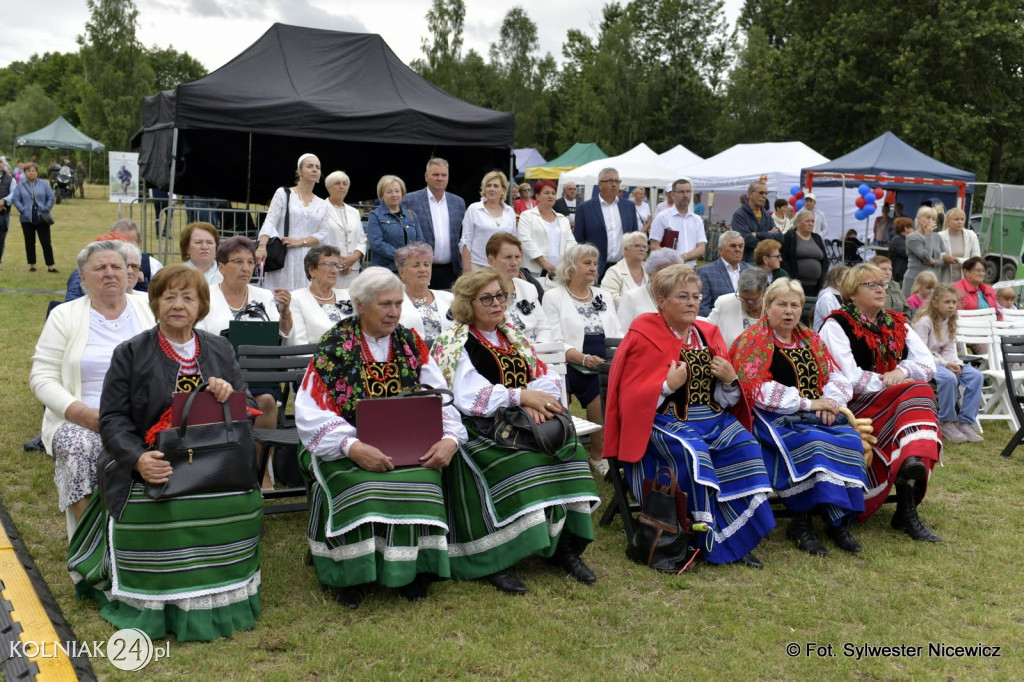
x=527, y=157
x=892, y=164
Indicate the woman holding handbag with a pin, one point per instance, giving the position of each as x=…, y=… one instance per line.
x=797, y=390
x=34, y=199
x=507, y=503
x=669, y=388
x=201, y=580
x=295, y=217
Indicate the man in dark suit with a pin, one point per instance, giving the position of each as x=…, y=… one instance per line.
x=440, y=215
x=603, y=220
x=567, y=204
x=720, y=278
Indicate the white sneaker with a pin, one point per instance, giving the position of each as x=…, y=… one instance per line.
x=969, y=434
x=952, y=433
x=599, y=467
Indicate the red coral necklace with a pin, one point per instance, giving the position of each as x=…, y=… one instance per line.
x=189, y=366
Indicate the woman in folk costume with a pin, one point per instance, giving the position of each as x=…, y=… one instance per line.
x=670, y=386
x=505, y=504
x=797, y=390
x=887, y=364
x=368, y=521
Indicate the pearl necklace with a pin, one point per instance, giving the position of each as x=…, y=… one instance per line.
x=327, y=299
x=584, y=299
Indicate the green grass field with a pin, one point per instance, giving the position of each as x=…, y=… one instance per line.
x=723, y=622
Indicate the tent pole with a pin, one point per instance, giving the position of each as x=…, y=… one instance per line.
x=248, y=175
x=166, y=228
x=511, y=170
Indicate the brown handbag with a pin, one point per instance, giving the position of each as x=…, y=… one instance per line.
x=663, y=538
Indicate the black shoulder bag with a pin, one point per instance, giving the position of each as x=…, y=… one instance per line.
x=662, y=539
x=206, y=457
x=513, y=427
x=276, y=250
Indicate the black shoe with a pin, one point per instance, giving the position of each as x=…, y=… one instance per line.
x=913, y=470
x=751, y=561
x=507, y=581
x=351, y=596
x=414, y=591
x=906, y=518
x=843, y=538
x=568, y=558
x=801, y=531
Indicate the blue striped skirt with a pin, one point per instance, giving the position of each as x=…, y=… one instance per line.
x=719, y=466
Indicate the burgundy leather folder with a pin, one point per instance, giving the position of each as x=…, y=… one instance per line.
x=206, y=409
x=402, y=428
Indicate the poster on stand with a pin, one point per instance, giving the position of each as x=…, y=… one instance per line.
x=124, y=176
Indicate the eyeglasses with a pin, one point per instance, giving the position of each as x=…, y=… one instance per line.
x=872, y=285
x=688, y=298
x=487, y=300
x=978, y=271
x=774, y=255
x=330, y=266
x=136, y=268
x=248, y=264
x=761, y=192
x=749, y=301
x=610, y=182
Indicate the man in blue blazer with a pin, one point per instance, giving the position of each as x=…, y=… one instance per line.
x=433, y=203
x=720, y=277
x=603, y=220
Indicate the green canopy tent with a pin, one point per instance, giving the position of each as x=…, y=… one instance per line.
x=577, y=155
x=60, y=135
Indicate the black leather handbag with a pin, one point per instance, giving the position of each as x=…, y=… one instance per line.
x=276, y=250
x=206, y=457
x=515, y=428
x=663, y=537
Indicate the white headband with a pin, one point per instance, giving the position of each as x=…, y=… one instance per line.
x=303, y=158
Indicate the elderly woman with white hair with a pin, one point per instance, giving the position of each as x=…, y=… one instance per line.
x=587, y=318
x=322, y=304
x=299, y=213
x=344, y=228
x=423, y=309
x=629, y=273
x=369, y=521
x=734, y=313
x=815, y=461
x=390, y=227
x=636, y=302
x=70, y=364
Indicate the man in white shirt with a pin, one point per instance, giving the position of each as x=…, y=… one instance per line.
x=692, y=239
x=820, y=221
x=440, y=216
x=601, y=221
x=567, y=204
x=722, y=276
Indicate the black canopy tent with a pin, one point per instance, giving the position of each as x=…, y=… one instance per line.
x=237, y=133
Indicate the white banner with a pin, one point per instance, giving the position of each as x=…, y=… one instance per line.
x=124, y=176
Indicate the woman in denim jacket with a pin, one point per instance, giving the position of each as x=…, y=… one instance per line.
x=391, y=227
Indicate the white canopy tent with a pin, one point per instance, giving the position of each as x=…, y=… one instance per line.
x=728, y=175
x=680, y=158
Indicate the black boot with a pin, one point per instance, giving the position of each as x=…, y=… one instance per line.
x=351, y=596
x=801, y=530
x=905, y=518
x=568, y=558
x=416, y=590
x=507, y=581
x=913, y=472
x=843, y=538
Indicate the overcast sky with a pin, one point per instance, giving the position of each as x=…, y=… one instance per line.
x=214, y=31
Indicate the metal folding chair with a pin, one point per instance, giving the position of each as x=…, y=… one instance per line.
x=1011, y=352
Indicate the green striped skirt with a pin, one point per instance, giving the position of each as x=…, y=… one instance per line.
x=367, y=526
x=505, y=505
x=189, y=565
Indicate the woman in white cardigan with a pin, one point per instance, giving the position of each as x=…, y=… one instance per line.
x=70, y=363
x=319, y=306
x=587, y=317
x=733, y=313
x=629, y=273
x=636, y=302
x=545, y=234
x=344, y=228
x=523, y=310
x=423, y=309
x=958, y=244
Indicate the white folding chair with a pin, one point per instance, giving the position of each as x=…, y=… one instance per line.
x=996, y=395
x=552, y=354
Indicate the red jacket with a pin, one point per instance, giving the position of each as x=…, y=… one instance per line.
x=969, y=299
x=634, y=386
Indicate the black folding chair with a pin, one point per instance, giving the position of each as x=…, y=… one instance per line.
x=620, y=504
x=1012, y=349
x=283, y=365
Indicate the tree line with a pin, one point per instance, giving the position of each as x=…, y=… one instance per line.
x=944, y=75
x=947, y=76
